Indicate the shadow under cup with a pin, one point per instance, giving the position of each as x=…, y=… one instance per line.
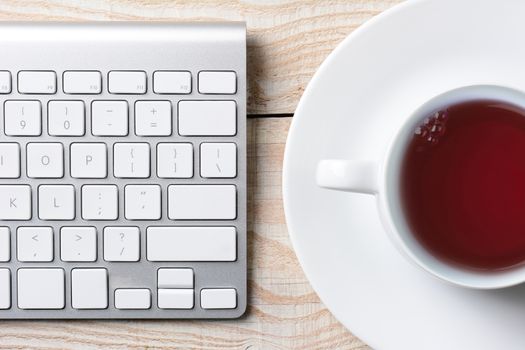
x=454, y=187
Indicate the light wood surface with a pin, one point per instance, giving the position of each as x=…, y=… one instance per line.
x=287, y=39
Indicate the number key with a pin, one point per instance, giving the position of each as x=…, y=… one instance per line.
x=23, y=118
x=66, y=118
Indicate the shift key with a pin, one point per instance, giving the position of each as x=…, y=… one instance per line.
x=204, y=243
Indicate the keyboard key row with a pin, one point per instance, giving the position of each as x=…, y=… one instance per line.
x=120, y=82
x=100, y=202
x=130, y=160
x=111, y=118
x=122, y=244
x=44, y=289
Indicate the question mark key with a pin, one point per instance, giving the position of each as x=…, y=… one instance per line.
x=121, y=243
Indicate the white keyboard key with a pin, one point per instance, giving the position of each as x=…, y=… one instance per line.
x=37, y=82
x=153, y=118
x=127, y=82
x=66, y=118
x=191, y=244
x=172, y=82
x=34, y=244
x=5, y=244
x=132, y=299
x=175, y=298
x=88, y=160
x=45, y=160
x=202, y=202
x=218, y=160
x=15, y=202
x=89, y=288
x=5, y=82
x=131, y=160
x=175, y=278
x=41, y=288
x=217, y=82
x=225, y=298
x=109, y=118
x=56, y=202
x=121, y=244
x=175, y=160
x=78, y=244
x=99, y=202
x=207, y=118
x=5, y=289
x=142, y=202
x=9, y=160
x=82, y=82
x=22, y=118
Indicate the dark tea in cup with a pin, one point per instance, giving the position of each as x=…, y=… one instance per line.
x=463, y=184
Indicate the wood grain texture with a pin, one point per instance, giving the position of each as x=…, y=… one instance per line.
x=287, y=39
x=284, y=312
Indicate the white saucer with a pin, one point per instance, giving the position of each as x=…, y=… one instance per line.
x=381, y=73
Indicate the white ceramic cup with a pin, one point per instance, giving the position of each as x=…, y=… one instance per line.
x=381, y=179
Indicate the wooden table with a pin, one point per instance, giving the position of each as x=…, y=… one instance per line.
x=287, y=41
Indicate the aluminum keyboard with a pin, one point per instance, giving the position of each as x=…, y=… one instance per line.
x=122, y=170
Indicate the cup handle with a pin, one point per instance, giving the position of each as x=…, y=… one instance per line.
x=348, y=175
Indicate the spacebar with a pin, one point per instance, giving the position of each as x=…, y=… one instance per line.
x=191, y=243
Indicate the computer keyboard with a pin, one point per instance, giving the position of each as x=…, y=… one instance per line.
x=122, y=170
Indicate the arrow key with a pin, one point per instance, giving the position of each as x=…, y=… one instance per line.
x=78, y=244
x=35, y=244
